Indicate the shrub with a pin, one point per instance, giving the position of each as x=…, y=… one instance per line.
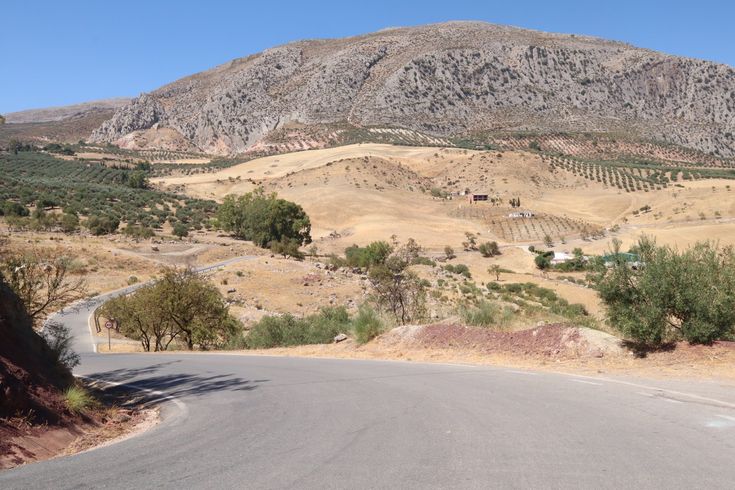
x=484, y=314
x=449, y=252
x=140, y=232
x=181, y=230
x=287, y=330
x=374, y=254
x=460, y=269
x=78, y=400
x=366, y=325
x=102, y=225
x=542, y=262
x=489, y=249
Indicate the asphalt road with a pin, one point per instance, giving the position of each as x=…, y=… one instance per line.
x=232, y=421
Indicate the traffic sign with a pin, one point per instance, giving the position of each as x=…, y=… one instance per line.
x=109, y=324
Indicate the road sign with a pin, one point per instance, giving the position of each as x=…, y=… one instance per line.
x=109, y=324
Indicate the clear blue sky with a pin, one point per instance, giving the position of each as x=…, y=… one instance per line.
x=57, y=52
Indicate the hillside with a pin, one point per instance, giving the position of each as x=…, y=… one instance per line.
x=65, y=124
x=458, y=79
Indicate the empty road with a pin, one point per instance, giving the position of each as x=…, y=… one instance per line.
x=232, y=421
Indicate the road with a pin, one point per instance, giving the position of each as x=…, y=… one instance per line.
x=232, y=421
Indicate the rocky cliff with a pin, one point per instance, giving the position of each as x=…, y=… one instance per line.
x=444, y=80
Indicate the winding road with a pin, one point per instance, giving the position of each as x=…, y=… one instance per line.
x=237, y=421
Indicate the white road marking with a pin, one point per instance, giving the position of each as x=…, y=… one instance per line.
x=586, y=382
x=528, y=373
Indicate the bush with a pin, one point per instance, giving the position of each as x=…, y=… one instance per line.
x=78, y=400
x=287, y=330
x=542, y=262
x=102, y=225
x=460, y=269
x=489, y=249
x=140, y=232
x=366, y=325
x=483, y=315
x=374, y=254
x=181, y=230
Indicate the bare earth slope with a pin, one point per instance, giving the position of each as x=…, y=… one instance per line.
x=444, y=80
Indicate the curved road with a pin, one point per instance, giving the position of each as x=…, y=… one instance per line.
x=232, y=421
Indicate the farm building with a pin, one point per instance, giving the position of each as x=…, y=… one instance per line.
x=632, y=260
x=561, y=257
x=473, y=198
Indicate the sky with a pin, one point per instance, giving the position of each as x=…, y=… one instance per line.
x=58, y=52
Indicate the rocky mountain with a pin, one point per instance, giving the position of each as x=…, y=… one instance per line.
x=443, y=80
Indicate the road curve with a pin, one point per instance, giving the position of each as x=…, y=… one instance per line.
x=232, y=421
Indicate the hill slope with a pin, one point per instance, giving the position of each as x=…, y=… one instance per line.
x=448, y=79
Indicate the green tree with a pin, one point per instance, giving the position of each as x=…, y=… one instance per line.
x=287, y=248
x=542, y=261
x=264, y=218
x=671, y=295
x=181, y=305
x=69, y=223
x=181, y=230
x=102, y=225
x=138, y=180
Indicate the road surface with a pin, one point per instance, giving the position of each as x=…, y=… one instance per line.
x=232, y=421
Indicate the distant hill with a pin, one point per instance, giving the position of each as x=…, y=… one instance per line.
x=67, y=124
x=50, y=114
x=458, y=79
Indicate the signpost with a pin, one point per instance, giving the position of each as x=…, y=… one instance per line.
x=109, y=325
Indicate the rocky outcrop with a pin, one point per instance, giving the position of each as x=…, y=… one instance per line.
x=446, y=80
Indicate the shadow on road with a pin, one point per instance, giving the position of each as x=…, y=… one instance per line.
x=173, y=385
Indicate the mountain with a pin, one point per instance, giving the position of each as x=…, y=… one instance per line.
x=60, y=113
x=455, y=79
x=67, y=124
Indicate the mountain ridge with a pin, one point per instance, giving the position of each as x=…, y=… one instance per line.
x=445, y=80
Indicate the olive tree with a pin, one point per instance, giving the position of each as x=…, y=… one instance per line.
x=671, y=295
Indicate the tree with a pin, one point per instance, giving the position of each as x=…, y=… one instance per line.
x=398, y=291
x=496, y=270
x=542, y=261
x=69, y=223
x=181, y=305
x=264, y=218
x=287, y=247
x=548, y=241
x=670, y=295
x=41, y=281
x=181, y=230
x=471, y=243
x=102, y=225
x=489, y=249
x=138, y=180
x=449, y=252
x=2, y=119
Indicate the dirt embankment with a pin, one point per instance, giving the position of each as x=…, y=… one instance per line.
x=557, y=347
x=35, y=421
